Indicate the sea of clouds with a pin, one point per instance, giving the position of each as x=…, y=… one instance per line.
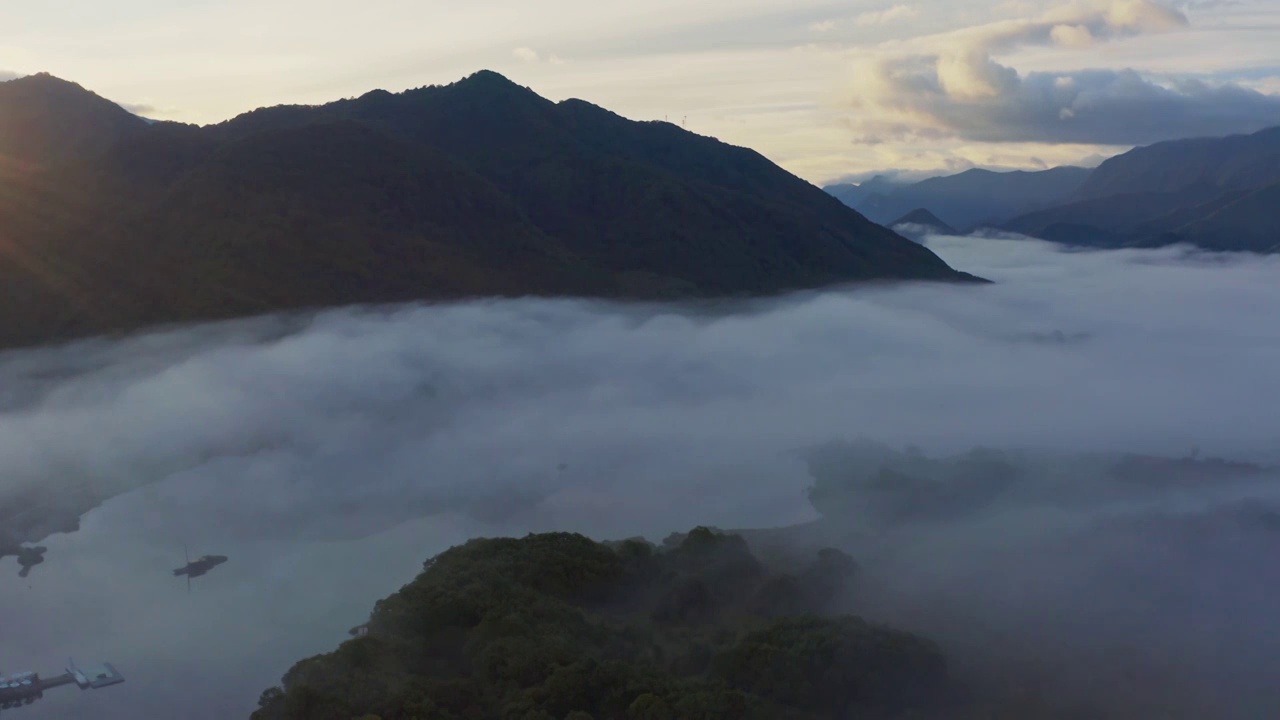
x=526, y=415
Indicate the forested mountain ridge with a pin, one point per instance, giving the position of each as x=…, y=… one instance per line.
x=478, y=188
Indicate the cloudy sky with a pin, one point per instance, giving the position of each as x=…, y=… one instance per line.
x=827, y=89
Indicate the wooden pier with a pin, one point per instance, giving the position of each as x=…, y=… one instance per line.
x=28, y=687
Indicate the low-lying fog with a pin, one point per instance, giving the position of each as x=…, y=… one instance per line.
x=329, y=455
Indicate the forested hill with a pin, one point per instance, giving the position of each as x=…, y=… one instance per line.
x=478, y=188
x=557, y=626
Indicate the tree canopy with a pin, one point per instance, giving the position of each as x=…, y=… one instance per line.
x=557, y=626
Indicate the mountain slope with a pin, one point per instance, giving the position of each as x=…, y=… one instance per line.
x=966, y=199
x=1108, y=218
x=1236, y=161
x=478, y=188
x=1210, y=192
x=600, y=183
x=346, y=214
x=1250, y=223
x=45, y=121
x=855, y=196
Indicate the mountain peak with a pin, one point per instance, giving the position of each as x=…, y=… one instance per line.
x=975, y=172
x=921, y=216
x=41, y=84
x=483, y=87
x=486, y=75
x=488, y=79
x=45, y=120
x=43, y=76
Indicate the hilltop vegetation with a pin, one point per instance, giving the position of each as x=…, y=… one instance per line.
x=557, y=626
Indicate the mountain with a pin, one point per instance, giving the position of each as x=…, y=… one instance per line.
x=1236, y=161
x=477, y=188
x=1250, y=223
x=966, y=199
x=46, y=121
x=871, y=190
x=1216, y=193
x=926, y=221
x=1107, y=220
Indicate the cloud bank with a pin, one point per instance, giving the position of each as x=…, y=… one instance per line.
x=952, y=86
x=449, y=406
x=329, y=454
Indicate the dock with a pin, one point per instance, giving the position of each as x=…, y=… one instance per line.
x=27, y=687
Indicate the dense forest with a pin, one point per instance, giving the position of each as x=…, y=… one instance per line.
x=557, y=626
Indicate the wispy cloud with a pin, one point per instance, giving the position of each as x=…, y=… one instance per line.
x=871, y=18
x=140, y=108
x=896, y=13
x=530, y=56
x=1202, y=5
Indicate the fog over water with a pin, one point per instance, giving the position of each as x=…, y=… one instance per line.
x=329, y=455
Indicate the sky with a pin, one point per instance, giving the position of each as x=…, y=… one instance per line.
x=328, y=455
x=829, y=90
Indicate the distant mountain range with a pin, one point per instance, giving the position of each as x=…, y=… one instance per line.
x=479, y=188
x=964, y=200
x=1215, y=193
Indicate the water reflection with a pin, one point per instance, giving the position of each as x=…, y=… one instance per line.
x=107, y=593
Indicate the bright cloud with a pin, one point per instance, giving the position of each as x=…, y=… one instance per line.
x=1072, y=36
x=530, y=56
x=952, y=86
x=884, y=17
